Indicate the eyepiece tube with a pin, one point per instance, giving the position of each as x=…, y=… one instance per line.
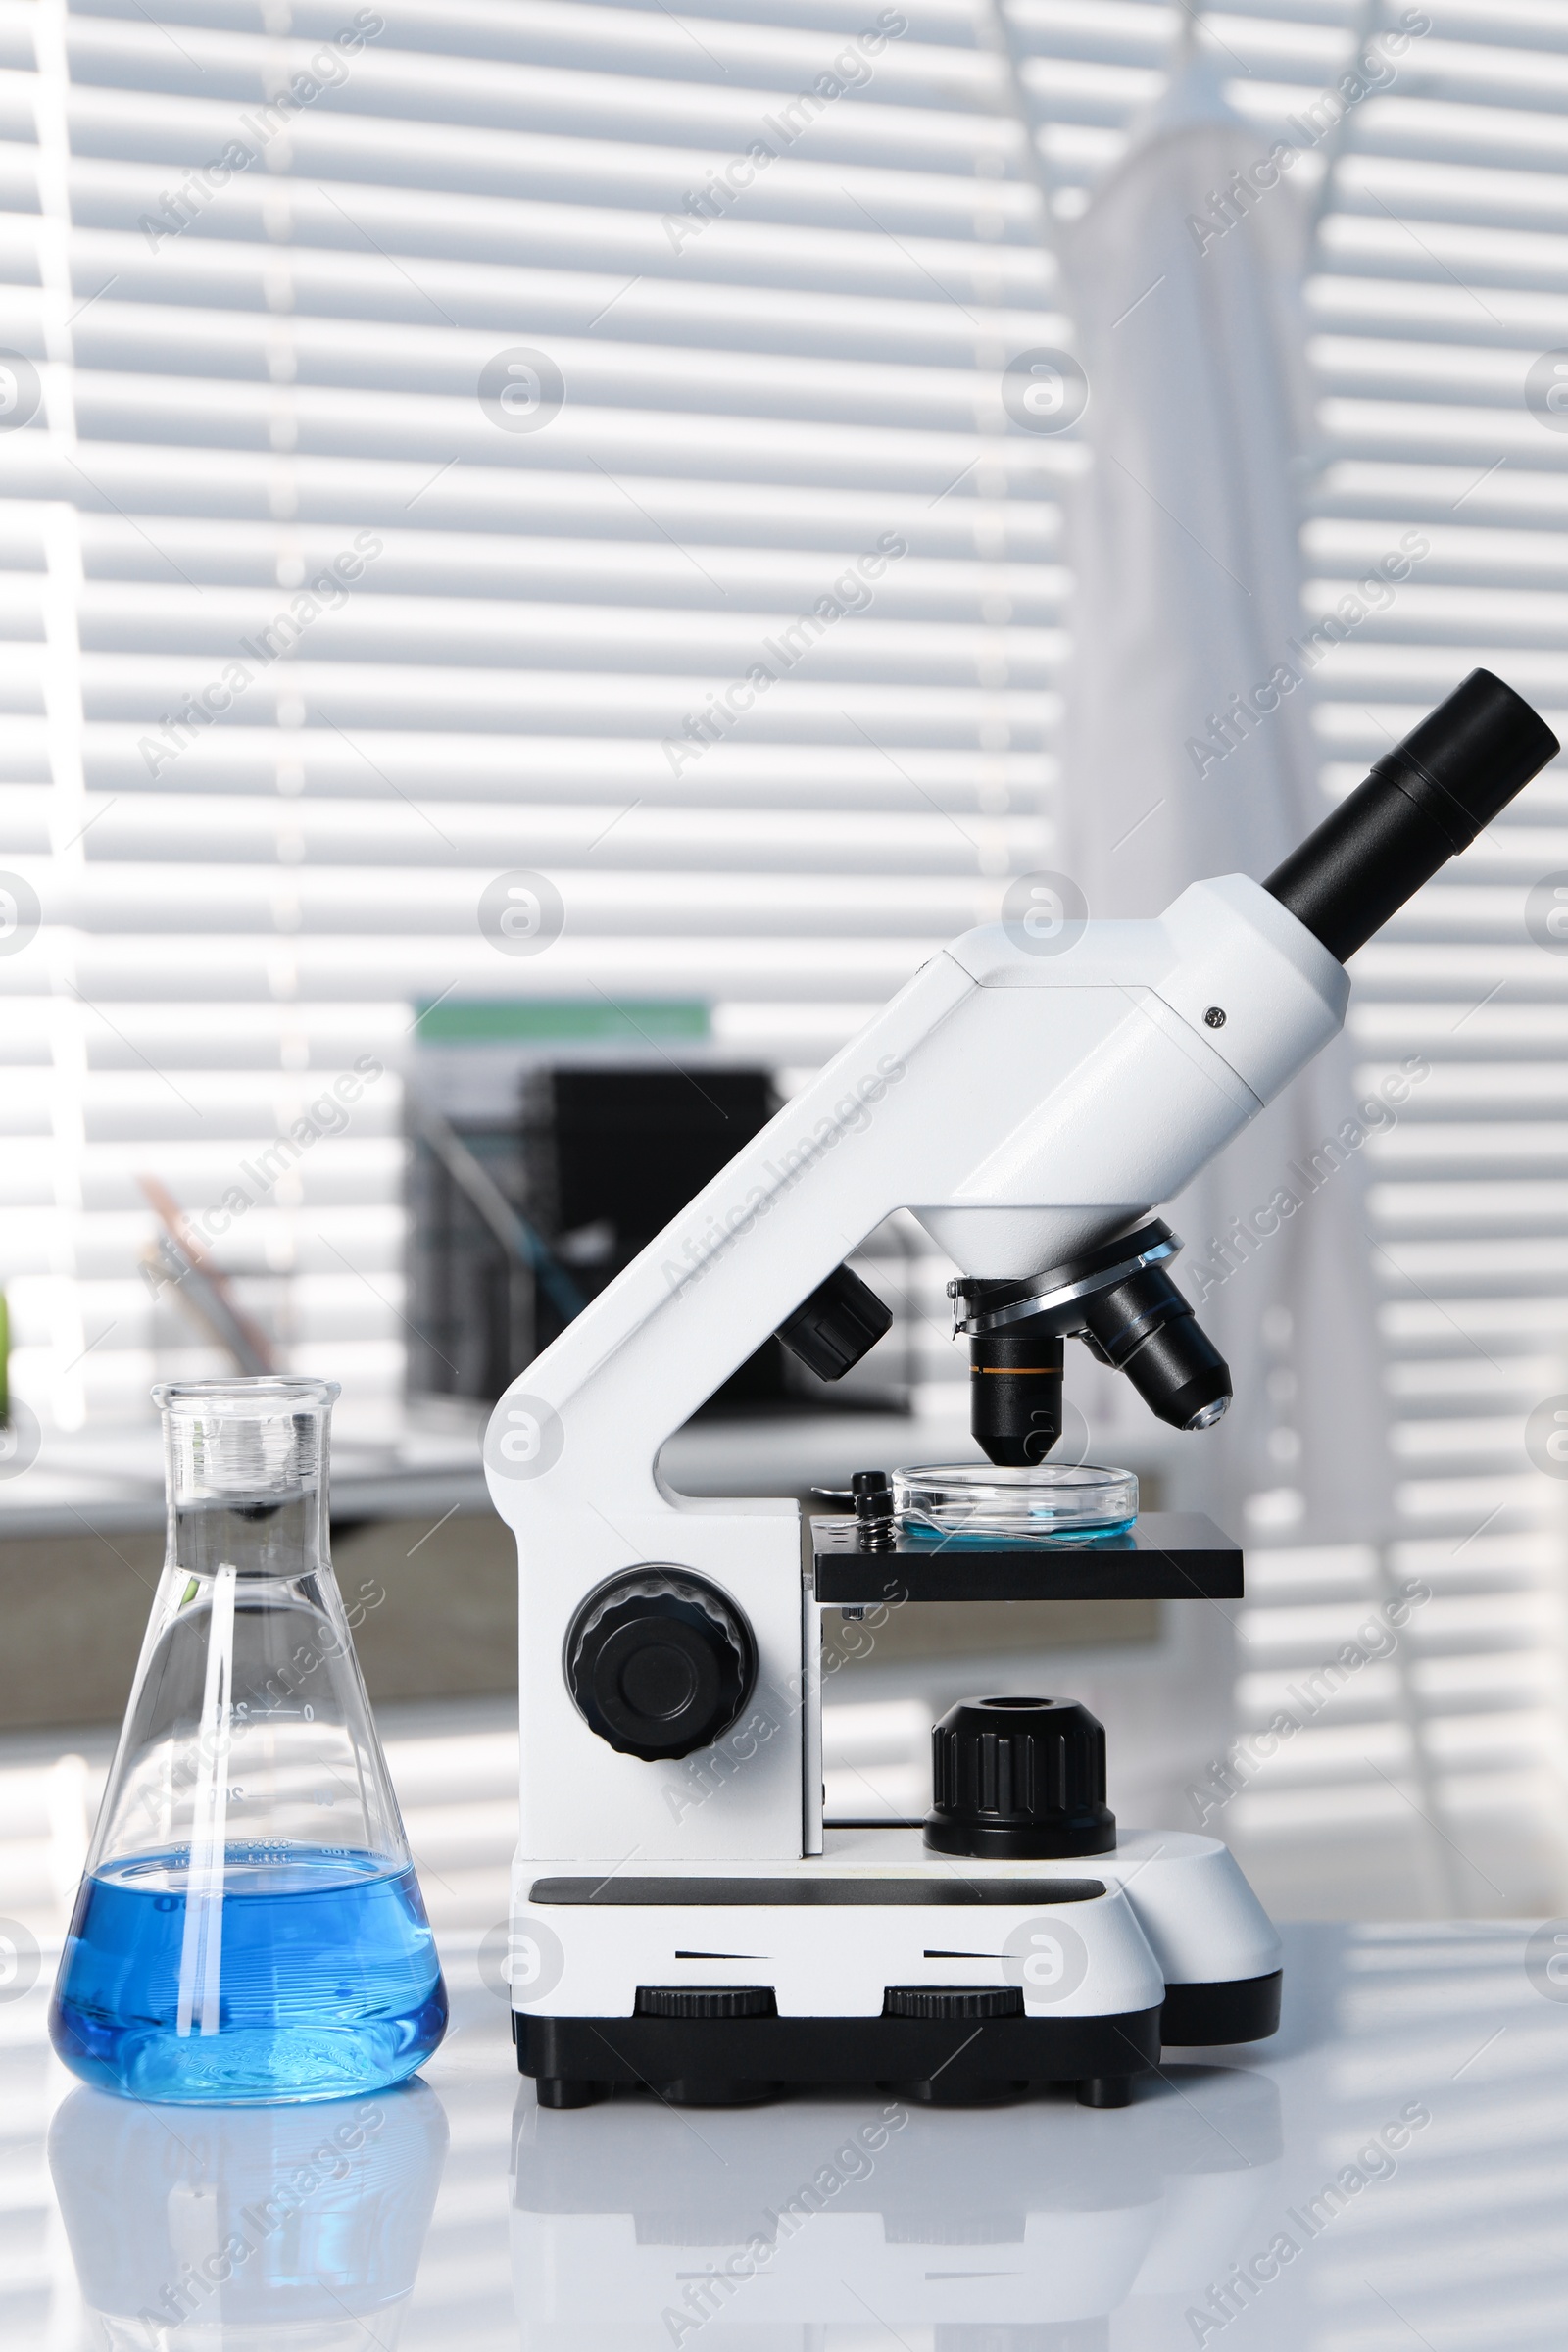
x=1423, y=802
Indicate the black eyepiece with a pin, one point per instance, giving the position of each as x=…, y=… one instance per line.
x=1423, y=802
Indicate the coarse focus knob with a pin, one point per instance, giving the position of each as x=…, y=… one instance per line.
x=660, y=1661
x=841, y=1321
x=1019, y=1778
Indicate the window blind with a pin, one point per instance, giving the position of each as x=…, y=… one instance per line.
x=306, y=642
x=1427, y=1772
x=272, y=273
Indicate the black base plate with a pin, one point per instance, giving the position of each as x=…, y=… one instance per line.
x=701, y=2062
x=725, y=2062
x=1202, y=2017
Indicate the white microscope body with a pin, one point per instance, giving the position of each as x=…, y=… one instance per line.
x=1027, y=1101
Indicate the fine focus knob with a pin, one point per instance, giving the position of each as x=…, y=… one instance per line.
x=1019, y=1778
x=659, y=1662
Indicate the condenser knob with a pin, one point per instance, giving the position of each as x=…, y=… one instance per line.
x=1022, y=1779
x=659, y=1662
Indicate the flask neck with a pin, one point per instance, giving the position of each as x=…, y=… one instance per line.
x=261, y=1536
x=247, y=1478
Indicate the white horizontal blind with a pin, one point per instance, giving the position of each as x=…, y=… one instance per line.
x=1436, y=287
x=755, y=393
x=1433, y=305
x=1431, y=308
x=251, y=375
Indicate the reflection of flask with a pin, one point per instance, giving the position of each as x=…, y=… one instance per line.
x=249, y=1928
x=272, y=2230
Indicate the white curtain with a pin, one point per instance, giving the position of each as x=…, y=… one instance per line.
x=1185, y=546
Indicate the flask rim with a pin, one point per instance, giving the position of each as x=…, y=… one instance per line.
x=246, y=1394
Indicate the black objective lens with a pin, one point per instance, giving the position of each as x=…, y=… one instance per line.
x=1145, y=1327
x=1015, y=1393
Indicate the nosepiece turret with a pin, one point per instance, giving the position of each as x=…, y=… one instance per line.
x=1123, y=1304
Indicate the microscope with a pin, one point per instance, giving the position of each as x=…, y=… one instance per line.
x=683, y=1917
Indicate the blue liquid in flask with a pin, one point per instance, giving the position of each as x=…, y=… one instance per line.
x=325, y=1982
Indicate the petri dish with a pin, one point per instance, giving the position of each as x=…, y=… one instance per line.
x=982, y=1503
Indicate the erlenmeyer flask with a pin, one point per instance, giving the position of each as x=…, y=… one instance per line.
x=249, y=1928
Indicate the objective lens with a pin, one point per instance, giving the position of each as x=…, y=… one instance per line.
x=1145, y=1328
x=1015, y=1393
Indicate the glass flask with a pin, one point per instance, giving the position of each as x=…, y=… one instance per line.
x=249, y=1930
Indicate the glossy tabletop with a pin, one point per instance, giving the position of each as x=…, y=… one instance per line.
x=1391, y=2169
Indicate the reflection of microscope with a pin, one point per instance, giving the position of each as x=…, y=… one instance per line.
x=682, y=1915
x=1020, y=2231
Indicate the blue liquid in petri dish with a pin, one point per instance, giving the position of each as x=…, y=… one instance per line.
x=1114, y=1536
x=328, y=1981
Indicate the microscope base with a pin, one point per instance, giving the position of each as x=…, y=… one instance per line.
x=733, y=2062
x=877, y=1962
x=948, y=2062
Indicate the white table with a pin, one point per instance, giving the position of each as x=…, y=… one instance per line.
x=466, y=2217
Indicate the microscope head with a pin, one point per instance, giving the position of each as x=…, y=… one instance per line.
x=1423, y=802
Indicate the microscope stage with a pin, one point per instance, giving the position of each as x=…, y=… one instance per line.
x=1166, y=1555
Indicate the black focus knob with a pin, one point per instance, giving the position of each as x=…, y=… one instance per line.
x=1019, y=1778
x=659, y=1662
